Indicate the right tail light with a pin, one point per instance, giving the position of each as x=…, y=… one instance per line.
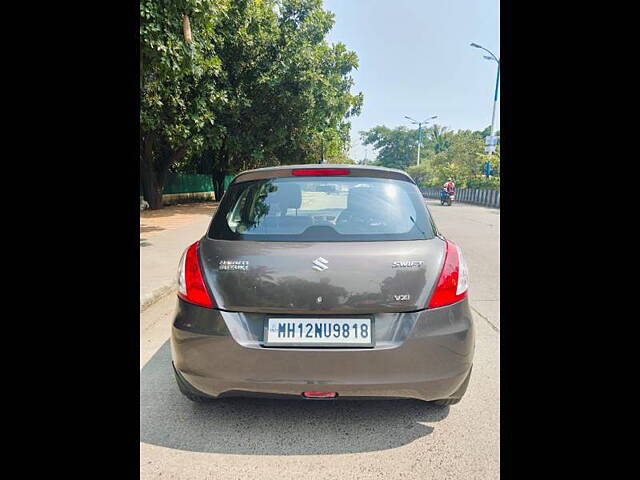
x=453, y=283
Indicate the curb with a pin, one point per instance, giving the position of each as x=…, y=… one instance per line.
x=150, y=298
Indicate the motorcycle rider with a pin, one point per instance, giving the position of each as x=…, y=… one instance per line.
x=449, y=186
x=447, y=189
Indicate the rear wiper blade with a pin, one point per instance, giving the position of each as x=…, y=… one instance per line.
x=416, y=225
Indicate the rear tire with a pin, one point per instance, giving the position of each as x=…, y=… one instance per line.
x=189, y=391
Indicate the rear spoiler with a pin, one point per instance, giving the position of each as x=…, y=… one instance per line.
x=315, y=170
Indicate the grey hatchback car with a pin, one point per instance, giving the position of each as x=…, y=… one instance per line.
x=323, y=282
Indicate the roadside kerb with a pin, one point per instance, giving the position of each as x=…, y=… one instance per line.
x=149, y=299
x=163, y=240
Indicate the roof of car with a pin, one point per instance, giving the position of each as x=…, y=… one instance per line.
x=285, y=171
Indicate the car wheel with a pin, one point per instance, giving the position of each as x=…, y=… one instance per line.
x=190, y=392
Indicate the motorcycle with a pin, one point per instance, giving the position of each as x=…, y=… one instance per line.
x=445, y=197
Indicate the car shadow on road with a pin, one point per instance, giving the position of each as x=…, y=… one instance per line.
x=251, y=426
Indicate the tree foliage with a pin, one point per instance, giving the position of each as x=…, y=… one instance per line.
x=397, y=148
x=458, y=155
x=259, y=85
x=178, y=85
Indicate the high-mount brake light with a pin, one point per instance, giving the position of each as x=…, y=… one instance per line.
x=320, y=394
x=320, y=172
x=453, y=283
x=191, y=287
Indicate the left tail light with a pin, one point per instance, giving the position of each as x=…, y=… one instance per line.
x=191, y=287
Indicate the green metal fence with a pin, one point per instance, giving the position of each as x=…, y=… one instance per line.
x=183, y=183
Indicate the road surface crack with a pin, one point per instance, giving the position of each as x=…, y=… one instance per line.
x=487, y=320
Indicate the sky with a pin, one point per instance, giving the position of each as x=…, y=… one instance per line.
x=414, y=59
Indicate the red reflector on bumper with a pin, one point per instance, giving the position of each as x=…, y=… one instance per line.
x=320, y=394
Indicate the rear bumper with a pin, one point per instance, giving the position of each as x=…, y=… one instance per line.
x=425, y=355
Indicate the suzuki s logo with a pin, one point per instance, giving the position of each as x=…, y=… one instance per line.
x=320, y=264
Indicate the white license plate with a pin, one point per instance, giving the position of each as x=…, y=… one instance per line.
x=325, y=332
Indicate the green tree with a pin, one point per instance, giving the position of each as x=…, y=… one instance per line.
x=287, y=90
x=423, y=174
x=178, y=89
x=461, y=161
x=438, y=138
x=444, y=153
x=396, y=148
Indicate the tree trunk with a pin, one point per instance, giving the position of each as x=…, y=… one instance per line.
x=186, y=28
x=218, y=183
x=150, y=189
x=221, y=166
x=154, y=173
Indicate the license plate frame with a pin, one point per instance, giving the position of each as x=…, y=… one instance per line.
x=295, y=342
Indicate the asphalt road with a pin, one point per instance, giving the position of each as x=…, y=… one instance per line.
x=251, y=438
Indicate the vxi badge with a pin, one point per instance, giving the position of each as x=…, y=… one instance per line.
x=407, y=264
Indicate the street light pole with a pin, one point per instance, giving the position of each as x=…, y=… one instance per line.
x=495, y=96
x=420, y=131
x=419, y=141
x=495, y=100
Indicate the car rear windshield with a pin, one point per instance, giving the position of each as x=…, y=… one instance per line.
x=322, y=209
